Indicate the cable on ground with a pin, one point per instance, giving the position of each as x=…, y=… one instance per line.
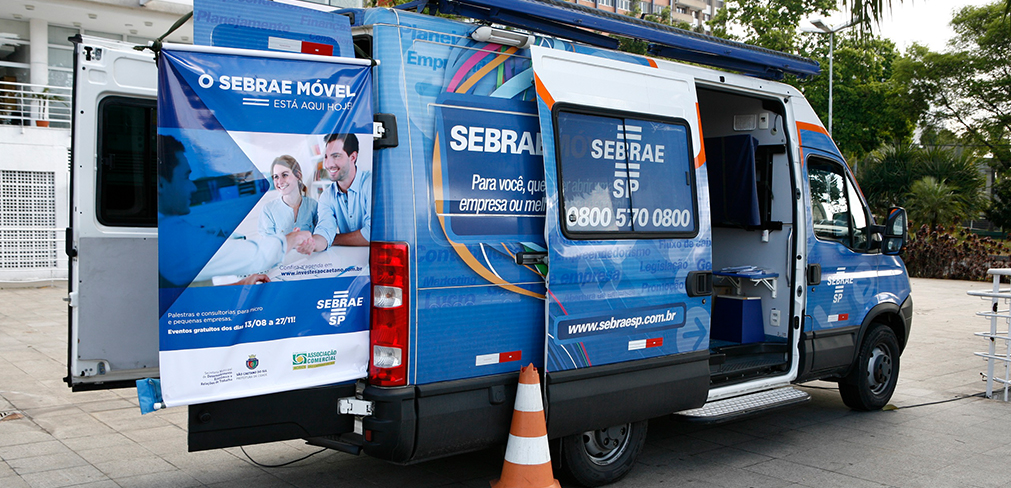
x=303, y=458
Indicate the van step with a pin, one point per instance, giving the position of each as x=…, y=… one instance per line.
x=732, y=408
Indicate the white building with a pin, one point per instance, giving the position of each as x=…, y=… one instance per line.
x=36, y=65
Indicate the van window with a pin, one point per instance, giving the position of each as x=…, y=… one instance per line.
x=622, y=175
x=126, y=191
x=836, y=209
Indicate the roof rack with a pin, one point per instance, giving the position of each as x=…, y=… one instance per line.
x=578, y=23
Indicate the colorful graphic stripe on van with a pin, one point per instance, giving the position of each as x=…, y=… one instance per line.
x=815, y=136
x=542, y=91
x=488, y=68
x=700, y=160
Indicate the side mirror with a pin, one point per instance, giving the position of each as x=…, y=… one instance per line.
x=895, y=231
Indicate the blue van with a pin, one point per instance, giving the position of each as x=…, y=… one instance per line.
x=656, y=237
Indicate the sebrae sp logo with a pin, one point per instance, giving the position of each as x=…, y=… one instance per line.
x=252, y=362
x=339, y=306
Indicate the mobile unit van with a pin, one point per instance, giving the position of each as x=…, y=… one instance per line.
x=655, y=237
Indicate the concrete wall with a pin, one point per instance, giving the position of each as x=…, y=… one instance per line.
x=44, y=150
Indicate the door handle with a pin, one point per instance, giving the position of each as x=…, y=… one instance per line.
x=813, y=274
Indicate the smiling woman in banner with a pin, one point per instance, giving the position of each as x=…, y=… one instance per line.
x=295, y=209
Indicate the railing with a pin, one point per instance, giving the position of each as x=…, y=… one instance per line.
x=1000, y=320
x=40, y=105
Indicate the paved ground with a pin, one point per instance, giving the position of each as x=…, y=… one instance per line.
x=51, y=437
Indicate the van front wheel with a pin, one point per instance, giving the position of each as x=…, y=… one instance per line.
x=872, y=381
x=599, y=457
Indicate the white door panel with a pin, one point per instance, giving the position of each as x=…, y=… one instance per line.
x=114, y=280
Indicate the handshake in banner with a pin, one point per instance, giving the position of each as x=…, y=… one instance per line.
x=341, y=217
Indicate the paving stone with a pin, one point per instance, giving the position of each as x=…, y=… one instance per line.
x=33, y=449
x=48, y=462
x=128, y=419
x=112, y=439
x=74, y=425
x=127, y=450
x=136, y=465
x=14, y=437
x=165, y=479
x=264, y=481
x=808, y=476
x=57, y=478
x=212, y=466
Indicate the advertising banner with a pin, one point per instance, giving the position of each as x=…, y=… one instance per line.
x=264, y=218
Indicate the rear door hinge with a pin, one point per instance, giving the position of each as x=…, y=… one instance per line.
x=384, y=131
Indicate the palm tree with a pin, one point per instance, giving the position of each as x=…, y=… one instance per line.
x=870, y=10
x=886, y=175
x=959, y=168
x=933, y=202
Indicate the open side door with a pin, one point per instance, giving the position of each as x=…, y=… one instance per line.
x=113, y=236
x=626, y=240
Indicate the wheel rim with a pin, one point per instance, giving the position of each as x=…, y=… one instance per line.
x=604, y=446
x=879, y=369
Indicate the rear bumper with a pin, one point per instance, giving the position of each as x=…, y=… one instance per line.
x=417, y=423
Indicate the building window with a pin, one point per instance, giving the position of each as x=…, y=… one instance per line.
x=104, y=35
x=605, y=3
x=14, y=57
x=27, y=219
x=625, y=4
x=61, y=55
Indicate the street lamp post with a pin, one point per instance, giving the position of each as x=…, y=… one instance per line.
x=824, y=29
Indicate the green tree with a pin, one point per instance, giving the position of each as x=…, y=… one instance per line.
x=961, y=169
x=888, y=174
x=767, y=23
x=999, y=212
x=874, y=102
x=970, y=85
x=932, y=202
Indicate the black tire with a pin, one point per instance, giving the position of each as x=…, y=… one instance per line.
x=599, y=457
x=872, y=381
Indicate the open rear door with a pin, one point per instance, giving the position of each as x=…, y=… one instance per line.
x=114, y=218
x=626, y=241
x=114, y=335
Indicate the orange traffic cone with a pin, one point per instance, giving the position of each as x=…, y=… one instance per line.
x=527, y=459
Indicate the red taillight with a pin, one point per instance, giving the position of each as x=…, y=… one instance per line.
x=388, y=263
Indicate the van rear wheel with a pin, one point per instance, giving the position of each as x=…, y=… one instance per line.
x=599, y=457
x=872, y=381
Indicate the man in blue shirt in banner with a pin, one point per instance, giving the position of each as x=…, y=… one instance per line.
x=234, y=257
x=345, y=207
